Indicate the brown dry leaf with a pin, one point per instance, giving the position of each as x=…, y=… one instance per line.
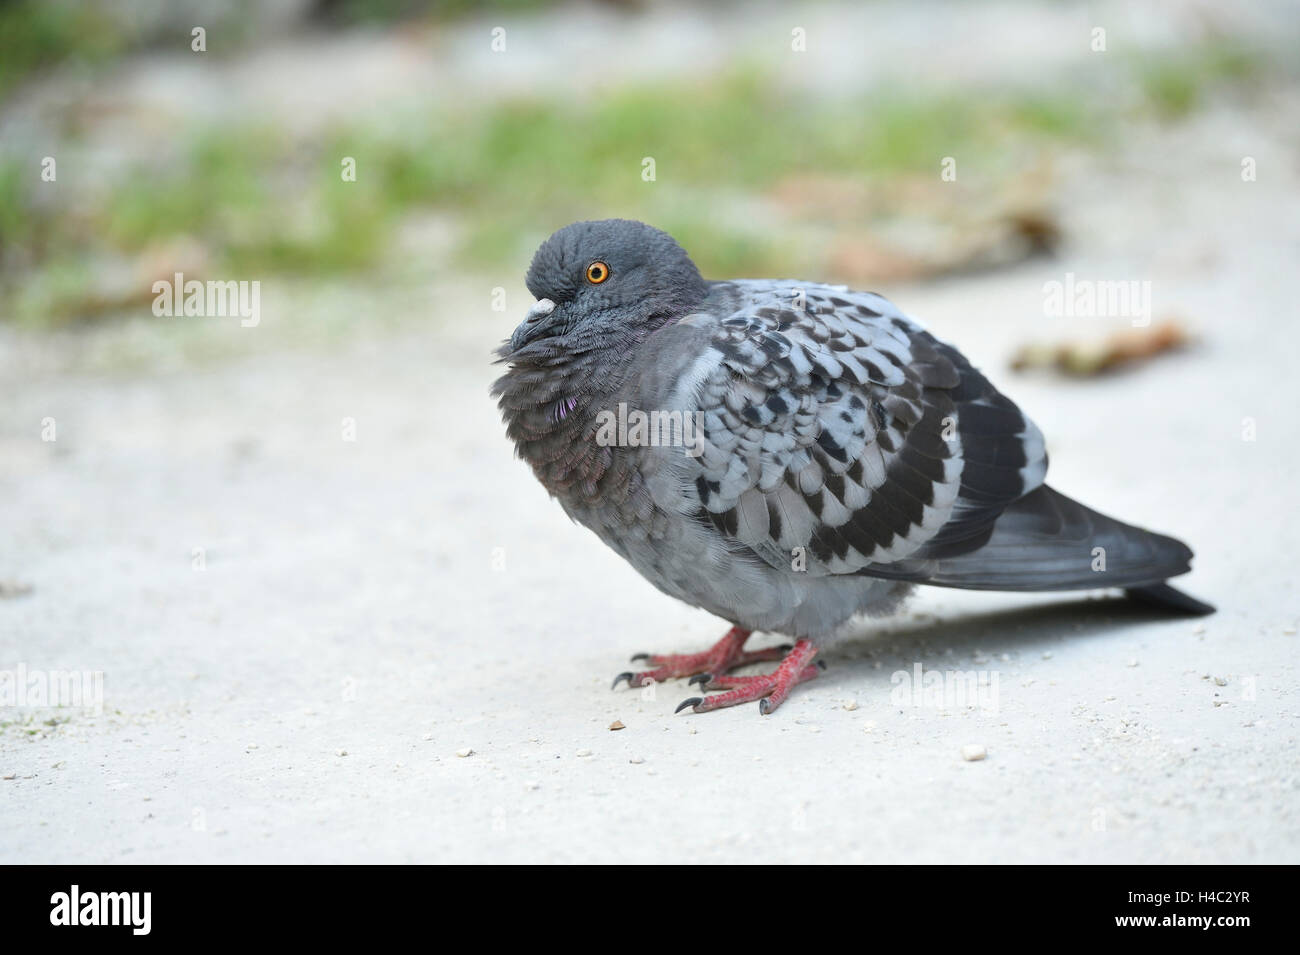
x=915, y=227
x=1086, y=359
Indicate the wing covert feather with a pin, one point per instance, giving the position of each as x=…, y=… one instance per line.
x=842, y=433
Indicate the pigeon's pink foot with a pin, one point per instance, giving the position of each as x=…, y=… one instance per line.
x=770, y=689
x=727, y=654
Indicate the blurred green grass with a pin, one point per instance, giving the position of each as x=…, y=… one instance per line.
x=258, y=201
x=1175, y=86
x=40, y=35
x=37, y=35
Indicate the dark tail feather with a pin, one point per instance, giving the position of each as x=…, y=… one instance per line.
x=1164, y=597
x=1046, y=541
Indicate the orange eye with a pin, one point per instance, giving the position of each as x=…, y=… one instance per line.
x=597, y=272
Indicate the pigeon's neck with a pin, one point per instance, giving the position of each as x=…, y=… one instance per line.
x=550, y=413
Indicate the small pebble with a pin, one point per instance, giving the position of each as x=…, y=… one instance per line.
x=1132, y=663
x=428, y=736
x=584, y=752
x=464, y=751
x=851, y=705
x=14, y=588
x=973, y=752
x=636, y=760
x=617, y=725
x=1220, y=681
x=340, y=752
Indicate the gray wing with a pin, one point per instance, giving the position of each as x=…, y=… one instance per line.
x=842, y=432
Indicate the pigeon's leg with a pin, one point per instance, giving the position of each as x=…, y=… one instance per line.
x=770, y=689
x=727, y=654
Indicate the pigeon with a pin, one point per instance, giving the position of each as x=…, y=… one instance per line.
x=786, y=456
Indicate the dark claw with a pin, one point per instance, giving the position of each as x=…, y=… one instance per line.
x=640, y=656
x=786, y=646
x=693, y=701
x=821, y=664
x=763, y=707
x=701, y=678
x=625, y=675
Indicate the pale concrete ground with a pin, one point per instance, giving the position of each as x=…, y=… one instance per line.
x=354, y=597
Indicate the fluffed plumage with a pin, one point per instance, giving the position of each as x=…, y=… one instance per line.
x=842, y=455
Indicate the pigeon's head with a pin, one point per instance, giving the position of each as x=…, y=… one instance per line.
x=606, y=283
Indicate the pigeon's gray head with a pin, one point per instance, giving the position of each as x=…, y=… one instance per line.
x=606, y=283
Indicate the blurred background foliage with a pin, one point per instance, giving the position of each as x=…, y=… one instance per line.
x=742, y=149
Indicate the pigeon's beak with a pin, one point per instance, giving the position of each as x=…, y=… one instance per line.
x=534, y=324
